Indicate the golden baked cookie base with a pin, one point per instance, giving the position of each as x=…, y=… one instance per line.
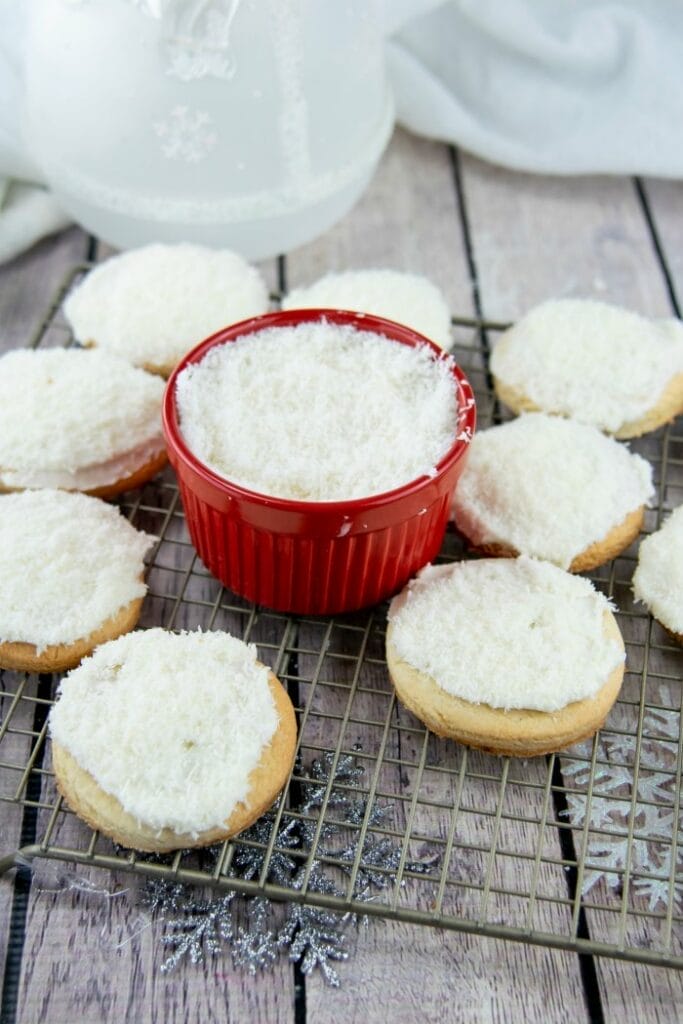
x=137, y=478
x=616, y=541
x=676, y=637
x=669, y=406
x=24, y=657
x=516, y=733
x=104, y=812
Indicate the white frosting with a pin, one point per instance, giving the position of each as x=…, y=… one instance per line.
x=406, y=298
x=548, y=487
x=65, y=410
x=318, y=412
x=658, y=579
x=507, y=633
x=590, y=361
x=169, y=724
x=152, y=305
x=67, y=564
x=90, y=477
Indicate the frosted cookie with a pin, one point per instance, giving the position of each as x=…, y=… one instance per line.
x=592, y=362
x=378, y=414
x=658, y=579
x=405, y=298
x=515, y=657
x=152, y=305
x=70, y=578
x=164, y=741
x=78, y=421
x=551, y=488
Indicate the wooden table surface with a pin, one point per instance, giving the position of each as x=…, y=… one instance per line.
x=496, y=242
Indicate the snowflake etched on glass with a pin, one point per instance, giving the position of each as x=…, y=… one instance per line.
x=186, y=134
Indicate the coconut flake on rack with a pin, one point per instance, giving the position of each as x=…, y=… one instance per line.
x=405, y=298
x=658, y=579
x=590, y=361
x=318, y=412
x=178, y=749
x=548, y=487
x=508, y=633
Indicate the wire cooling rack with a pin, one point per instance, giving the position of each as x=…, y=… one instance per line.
x=580, y=851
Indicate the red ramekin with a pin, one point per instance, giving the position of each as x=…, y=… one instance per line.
x=315, y=557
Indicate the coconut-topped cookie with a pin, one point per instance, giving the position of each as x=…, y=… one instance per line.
x=152, y=305
x=318, y=411
x=592, y=362
x=78, y=421
x=71, y=577
x=512, y=656
x=658, y=579
x=164, y=741
x=406, y=298
x=551, y=488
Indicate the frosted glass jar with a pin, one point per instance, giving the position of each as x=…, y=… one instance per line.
x=252, y=124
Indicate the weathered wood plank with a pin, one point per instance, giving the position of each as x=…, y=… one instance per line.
x=539, y=238
x=28, y=283
x=409, y=219
x=17, y=719
x=26, y=287
x=536, y=238
x=666, y=205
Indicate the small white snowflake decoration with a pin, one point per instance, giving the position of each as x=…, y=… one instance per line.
x=186, y=134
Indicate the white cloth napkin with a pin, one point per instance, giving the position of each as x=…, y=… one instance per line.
x=27, y=214
x=553, y=86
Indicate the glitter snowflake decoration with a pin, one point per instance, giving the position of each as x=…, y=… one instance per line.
x=186, y=135
x=197, y=928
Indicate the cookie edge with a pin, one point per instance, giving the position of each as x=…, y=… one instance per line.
x=514, y=733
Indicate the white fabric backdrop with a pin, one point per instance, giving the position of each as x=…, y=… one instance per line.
x=553, y=86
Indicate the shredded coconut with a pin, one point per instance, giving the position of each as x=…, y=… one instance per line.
x=63, y=410
x=658, y=579
x=318, y=412
x=590, y=361
x=169, y=724
x=405, y=298
x=67, y=564
x=548, y=487
x=152, y=305
x=507, y=633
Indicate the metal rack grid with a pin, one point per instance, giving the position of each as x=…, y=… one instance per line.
x=581, y=851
